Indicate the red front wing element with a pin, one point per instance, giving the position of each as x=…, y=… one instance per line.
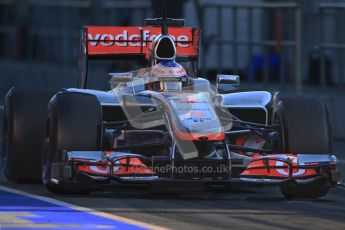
x=121, y=167
x=277, y=166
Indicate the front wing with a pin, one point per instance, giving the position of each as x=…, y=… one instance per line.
x=101, y=168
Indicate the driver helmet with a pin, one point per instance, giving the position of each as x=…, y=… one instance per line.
x=169, y=69
x=170, y=76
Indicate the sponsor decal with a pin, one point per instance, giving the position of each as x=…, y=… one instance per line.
x=136, y=40
x=125, y=39
x=285, y=172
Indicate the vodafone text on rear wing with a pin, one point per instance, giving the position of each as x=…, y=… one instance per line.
x=103, y=41
x=131, y=43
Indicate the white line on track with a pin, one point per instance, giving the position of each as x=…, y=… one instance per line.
x=83, y=209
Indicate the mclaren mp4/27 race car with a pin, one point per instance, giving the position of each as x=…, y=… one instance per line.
x=164, y=124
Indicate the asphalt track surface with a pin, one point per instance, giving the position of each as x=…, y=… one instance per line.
x=183, y=208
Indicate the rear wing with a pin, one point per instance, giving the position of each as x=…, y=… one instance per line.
x=131, y=43
x=134, y=41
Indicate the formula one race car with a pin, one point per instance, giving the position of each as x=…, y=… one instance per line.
x=163, y=124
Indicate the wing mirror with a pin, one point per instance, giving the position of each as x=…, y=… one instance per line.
x=120, y=77
x=227, y=83
x=117, y=78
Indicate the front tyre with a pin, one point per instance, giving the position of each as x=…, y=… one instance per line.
x=304, y=129
x=74, y=124
x=304, y=191
x=305, y=126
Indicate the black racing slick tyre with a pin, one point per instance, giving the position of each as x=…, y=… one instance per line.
x=25, y=112
x=74, y=123
x=304, y=129
x=304, y=125
x=304, y=191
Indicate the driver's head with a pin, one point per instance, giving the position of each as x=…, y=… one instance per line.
x=168, y=76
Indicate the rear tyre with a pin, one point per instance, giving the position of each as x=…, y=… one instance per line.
x=74, y=123
x=23, y=130
x=305, y=129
